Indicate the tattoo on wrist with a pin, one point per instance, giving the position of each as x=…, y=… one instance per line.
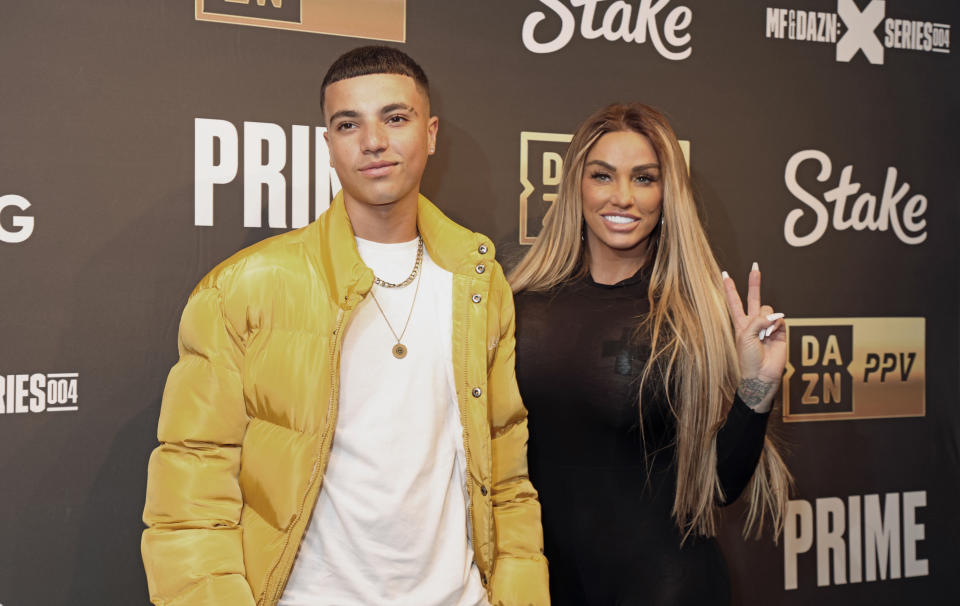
x=753, y=391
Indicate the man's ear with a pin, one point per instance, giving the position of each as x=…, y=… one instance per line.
x=433, y=125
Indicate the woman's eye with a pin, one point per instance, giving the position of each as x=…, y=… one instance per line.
x=645, y=179
x=600, y=177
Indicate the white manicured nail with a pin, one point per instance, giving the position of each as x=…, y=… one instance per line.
x=774, y=317
x=763, y=331
x=755, y=266
x=771, y=329
x=724, y=275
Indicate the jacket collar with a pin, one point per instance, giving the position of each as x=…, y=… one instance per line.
x=334, y=249
x=452, y=246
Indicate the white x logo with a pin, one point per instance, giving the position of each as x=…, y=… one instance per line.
x=859, y=34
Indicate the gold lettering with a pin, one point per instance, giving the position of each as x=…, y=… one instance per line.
x=810, y=378
x=832, y=388
x=832, y=352
x=809, y=350
x=551, y=168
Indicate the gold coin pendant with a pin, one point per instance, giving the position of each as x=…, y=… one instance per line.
x=399, y=351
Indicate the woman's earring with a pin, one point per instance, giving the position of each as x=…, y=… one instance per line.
x=661, y=220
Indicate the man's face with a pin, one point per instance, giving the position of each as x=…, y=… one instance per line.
x=379, y=133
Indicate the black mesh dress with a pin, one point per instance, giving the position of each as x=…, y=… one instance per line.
x=608, y=532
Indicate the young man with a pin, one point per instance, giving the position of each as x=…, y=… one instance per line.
x=343, y=426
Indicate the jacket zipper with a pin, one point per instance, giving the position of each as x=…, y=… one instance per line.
x=327, y=430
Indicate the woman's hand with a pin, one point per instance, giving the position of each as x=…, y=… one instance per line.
x=761, y=343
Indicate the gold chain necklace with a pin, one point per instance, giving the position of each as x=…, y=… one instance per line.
x=400, y=350
x=413, y=274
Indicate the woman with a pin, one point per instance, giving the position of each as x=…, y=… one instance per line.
x=648, y=386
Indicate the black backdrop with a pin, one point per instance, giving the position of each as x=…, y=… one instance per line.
x=99, y=246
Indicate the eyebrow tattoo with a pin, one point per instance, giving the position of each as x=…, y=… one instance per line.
x=395, y=106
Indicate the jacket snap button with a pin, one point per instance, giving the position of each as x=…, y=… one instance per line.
x=483, y=249
x=483, y=490
x=476, y=394
x=476, y=298
x=481, y=268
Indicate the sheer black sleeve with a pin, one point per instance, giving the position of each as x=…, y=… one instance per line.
x=739, y=445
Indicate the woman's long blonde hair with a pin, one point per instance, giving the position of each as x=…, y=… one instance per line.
x=689, y=326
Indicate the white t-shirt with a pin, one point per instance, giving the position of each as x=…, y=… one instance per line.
x=390, y=526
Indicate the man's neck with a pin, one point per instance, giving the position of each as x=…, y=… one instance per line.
x=385, y=223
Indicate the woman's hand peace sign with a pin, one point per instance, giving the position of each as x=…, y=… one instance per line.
x=761, y=343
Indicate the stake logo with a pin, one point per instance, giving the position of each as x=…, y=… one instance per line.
x=38, y=392
x=856, y=540
x=617, y=23
x=373, y=19
x=853, y=30
x=16, y=228
x=803, y=227
x=541, y=165
x=854, y=368
x=217, y=158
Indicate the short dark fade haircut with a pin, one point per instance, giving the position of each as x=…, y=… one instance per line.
x=367, y=60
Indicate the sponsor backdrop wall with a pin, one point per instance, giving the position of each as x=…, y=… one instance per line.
x=142, y=142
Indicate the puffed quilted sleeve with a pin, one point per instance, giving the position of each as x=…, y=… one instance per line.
x=520, y=571
x=192, y=548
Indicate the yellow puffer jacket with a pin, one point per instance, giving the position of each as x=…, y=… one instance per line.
x=250, y=410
